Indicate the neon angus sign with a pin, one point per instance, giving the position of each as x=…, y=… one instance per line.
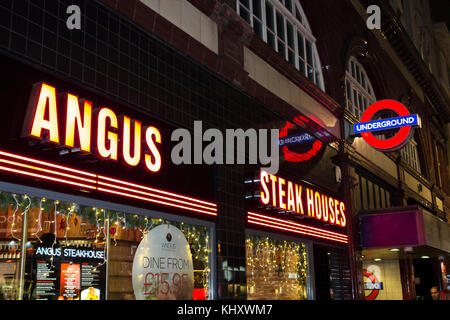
x=45, y=119
x=286, y=195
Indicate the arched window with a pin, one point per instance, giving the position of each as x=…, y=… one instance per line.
x=411, y=155
x=283, y=25
x=359, y=90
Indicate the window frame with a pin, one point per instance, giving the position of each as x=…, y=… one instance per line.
x=310, y=69
x=310, y=274
x=354, y=70
x=410, y=154
x=129, y=210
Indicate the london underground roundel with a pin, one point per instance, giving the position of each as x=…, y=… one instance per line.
x=405, y=122
x=310, y=145
x=374, y=286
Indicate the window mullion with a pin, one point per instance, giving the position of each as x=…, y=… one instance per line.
x=305, y=60
x=313, y=64
x=250, y=3
x=275, y=27
x=264, y=20
x=286, y=45
x=296, y=53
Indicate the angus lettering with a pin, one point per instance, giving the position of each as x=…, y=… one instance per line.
x=82, y=125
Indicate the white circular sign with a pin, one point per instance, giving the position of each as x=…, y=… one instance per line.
x=162, y=266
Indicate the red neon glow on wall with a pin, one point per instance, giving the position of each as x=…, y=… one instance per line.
x=285, y=225
x=35, y=168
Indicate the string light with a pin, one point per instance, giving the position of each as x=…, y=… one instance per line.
x=39, y=220
x=117, y=229
x=14, y=217
x=106, y=239
x=55, y=203
x=198, y=236
x=275, y=264
x=97, y=223
x=72, y=208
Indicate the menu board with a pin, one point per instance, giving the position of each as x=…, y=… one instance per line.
x=76, y=273
x=45, y=280
x=70, y=281
x=90, y=282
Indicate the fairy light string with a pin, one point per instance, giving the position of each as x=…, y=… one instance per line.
x=55, y=203
x=105, y=220
x=198, y=236
x=277, y=264
x=39, y=221
x=27, y=208
x=14, y=218
x=117, y=225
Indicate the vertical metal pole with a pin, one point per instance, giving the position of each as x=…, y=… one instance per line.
x=23, y=254
x=107, y=244
x=352, y=225
x=213, y=295
x=310, y=275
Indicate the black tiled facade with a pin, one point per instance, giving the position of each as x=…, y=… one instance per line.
x=111, y=56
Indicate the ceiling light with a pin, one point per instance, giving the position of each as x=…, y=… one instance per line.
x=377, y=259
x=394, y=249
x=425, y=257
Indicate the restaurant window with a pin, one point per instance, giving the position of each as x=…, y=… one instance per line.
x=276, y=269
x=282, y=24
x=65, y=254
x=359, y=91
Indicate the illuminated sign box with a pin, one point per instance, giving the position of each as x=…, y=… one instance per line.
x=387, y=124
x=405, y=122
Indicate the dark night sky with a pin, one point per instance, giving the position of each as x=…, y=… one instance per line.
x=440, y=11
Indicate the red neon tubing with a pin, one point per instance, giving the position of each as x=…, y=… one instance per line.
x=45, y=177
x=291, y=222
x=155, y=201
x=153, y=195
x=302, y=228
x=295, y=231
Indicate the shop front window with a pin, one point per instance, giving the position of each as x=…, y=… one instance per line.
x=276, y=269
x=75, y=252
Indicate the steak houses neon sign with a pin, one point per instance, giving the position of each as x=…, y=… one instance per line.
x=286, y=195
x=98, y=131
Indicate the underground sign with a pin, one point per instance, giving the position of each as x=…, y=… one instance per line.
x=405, y=122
